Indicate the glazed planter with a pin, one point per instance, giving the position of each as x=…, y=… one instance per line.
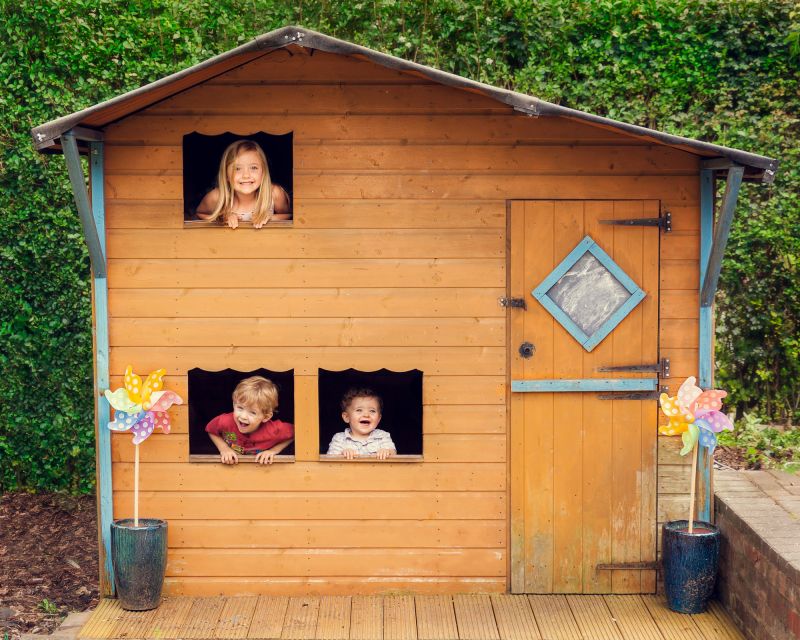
x=139, y=557
x=691, y=562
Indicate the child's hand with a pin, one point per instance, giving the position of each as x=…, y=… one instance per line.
x=228, y=457
x=258, y=225
x=349, y=453
x=385, y=453
x=232, y=220
x=265, y=457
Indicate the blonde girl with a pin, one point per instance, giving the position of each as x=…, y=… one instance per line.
x=244, y=191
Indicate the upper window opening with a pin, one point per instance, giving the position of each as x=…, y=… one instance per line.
x=237, y=179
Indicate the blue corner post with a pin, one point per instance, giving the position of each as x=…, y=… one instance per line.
x=706, y=347
x=92, y=216
x=713, y=240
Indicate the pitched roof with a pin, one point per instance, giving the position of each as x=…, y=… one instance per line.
x=757, y=167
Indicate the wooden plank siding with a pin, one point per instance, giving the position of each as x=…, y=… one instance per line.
x=395, y=258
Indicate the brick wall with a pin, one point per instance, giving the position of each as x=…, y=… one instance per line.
x=758, y=584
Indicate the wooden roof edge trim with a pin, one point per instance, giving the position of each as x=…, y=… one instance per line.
x=45, y=135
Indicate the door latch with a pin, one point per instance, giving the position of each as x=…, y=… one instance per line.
x=516, y=303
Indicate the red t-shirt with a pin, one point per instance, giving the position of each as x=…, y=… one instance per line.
x=270, y=433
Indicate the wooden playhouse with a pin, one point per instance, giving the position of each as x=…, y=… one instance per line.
x=441, y=226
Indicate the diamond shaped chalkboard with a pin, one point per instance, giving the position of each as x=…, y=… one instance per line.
x=588, y=293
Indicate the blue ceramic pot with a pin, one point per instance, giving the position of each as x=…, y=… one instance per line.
x=691, y=561
x=139, y=556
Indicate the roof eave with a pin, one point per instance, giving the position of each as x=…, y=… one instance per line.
x=757, y=167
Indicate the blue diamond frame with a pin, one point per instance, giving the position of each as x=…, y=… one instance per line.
x=586, y=341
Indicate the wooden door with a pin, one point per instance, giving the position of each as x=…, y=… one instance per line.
x=583, y=469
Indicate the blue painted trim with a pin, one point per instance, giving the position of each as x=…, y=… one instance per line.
x=721, y=231
x=585, y=384
x=102, y=379
x=90, y=233
x=586, y=341
x=706, y=346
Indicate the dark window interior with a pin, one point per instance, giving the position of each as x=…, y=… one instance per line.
x=210, y=395
x=202, y=155
x=401, y=392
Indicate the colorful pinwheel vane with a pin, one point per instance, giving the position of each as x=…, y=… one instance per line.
x=695, y=415
x=141, y=407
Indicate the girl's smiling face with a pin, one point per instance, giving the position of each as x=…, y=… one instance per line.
x=247, y=173
x=363, y=416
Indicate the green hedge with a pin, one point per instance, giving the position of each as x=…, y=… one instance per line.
x=717, y=70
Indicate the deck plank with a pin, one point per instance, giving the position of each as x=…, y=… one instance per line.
x=268, y=618
x=633, y=618
x=300, y=622
x=171, y=618
x=475, y=617
x=237, y=614
x=514, y=617
x=399, y=618
x=673, y=625
x=718, y=611
x=594, y=617
x=103, y=620
x=366, y=618
x=554, y=617
x=436, y=618
x=203, y=617
x=134, y=624
x=334, y=618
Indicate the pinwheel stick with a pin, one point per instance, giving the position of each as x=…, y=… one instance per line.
x=692, y=488
x=136, y=486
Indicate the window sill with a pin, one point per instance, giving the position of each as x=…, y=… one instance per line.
x=395, y=458
x=213, y=224
x=242, y=458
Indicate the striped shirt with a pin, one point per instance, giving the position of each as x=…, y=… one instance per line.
x=377, y=440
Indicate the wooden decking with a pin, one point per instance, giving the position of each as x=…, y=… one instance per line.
x=459, y=617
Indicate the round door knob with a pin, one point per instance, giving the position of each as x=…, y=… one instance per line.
x=526, y=350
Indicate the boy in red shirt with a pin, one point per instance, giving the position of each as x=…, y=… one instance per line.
x=249, y=429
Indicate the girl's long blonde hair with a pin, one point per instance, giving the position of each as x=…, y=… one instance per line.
x=264, y=204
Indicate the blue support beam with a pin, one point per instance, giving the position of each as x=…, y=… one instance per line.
x=102, y=381
x=584, y=384
x=721, y=231
x=706, y=346
x=72, y=156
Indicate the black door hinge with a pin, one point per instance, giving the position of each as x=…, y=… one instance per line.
x=662, y=222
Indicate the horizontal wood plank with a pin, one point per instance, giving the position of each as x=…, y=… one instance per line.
x=456, y=302
x=447, y=401
x=336, y=562
x=548, y=159
x=215, y=274
x=455, y=185
x=308, y=332
x=238, y=505
x=331, y=585
x=221, y=242
x=436, y=448
x=258, y=534
x=459, y=129
x=309, y=478
x=479, y=361
x=329, y=214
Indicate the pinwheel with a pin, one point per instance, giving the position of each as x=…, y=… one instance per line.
x=140, y=408
x=695, y=415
